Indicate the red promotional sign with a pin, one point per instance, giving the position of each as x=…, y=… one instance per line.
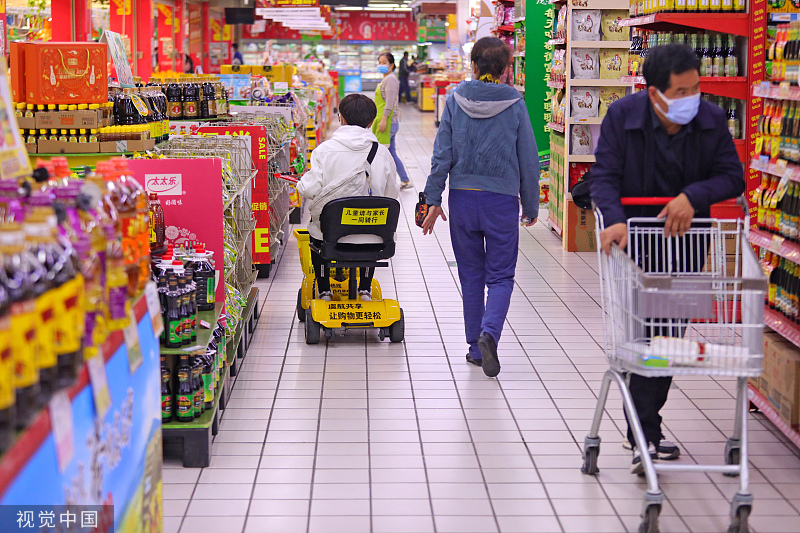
x=755, y=63
x=186, y=187
x=260, y=185
x=354, y=26
x=195, y=29
x=287, y=3
x=165, y=25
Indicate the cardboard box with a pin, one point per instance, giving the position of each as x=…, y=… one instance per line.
x=275, y=72
x=31, y=148
x=83, y=119
x=66, y=73
x=236, y=69
x=26, y=123
x=127, y=146
x=60, y=147
x=17, y=65
x=781, y=377
x=580, y=231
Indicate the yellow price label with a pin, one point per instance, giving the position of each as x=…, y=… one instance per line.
x=364, y=217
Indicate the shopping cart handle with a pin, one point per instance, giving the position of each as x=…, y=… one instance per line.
x=664, y=200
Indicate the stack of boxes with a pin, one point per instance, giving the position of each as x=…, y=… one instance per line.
x=780, y=380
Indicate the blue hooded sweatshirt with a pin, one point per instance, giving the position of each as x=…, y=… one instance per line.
x=485, y=142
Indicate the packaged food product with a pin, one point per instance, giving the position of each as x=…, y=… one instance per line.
x=586, y=25
x=65, y=73
x=611, y=30
x=561, y=23
x=580, y=141
x=578, y=170
x=613, y=64
x=585, y=63
x=609, y=95
x=584, y=102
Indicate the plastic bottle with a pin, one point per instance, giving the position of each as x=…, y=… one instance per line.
x=209, y=359
x=7, y=395
x=174, y=99
x=190, y=99
x=199, y=394
x=167, y=407
x=204, y=279
x=142, y=234
x=191, y=289
x=19, y=273
x=122, y=199
x=157, y=226
x=184, y=397
x=186, y=335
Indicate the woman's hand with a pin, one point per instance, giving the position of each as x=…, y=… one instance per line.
x=434, y=212
x=382, y=125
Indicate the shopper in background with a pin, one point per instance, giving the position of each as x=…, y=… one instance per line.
x=345, y=151
x=188, y=64
x=403, y=73
x=666, y=142
x=238, y=58
x=386, y=127
x=486, y=146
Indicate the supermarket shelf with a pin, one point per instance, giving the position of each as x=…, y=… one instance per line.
x=556, y=84
x=784, y=91
x=779, y=323
x=205, y=420
x=597, y=83
x=553, y=226
x=520, y=88
x=599, y=4
x=556, y=42
x=772, y=415
x=734, y=23
x=581, y=159
x=505, y=28
x=236, y=341
x=203, y=335
x=556, y=127
x=601, y=44
x=732, y=87
x=780, y=169
x=636, y=80
x=775, y=244
x=784, y=17
x=591, y=120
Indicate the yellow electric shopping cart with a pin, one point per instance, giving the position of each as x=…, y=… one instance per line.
x=373, y=220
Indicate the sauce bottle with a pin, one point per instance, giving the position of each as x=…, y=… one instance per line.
x=7, y=396
x=190, y=99
x=167, y=407
x=204, y=279
x=18, y=273
x=186, y=335
x=141, y=237
x=185, y=395
x=174, y=99
x=174, y=338
x=157, y=225
x=191, y=294
x=199, y=394
x=209, y=360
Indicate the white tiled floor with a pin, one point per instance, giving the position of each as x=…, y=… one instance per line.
x=362, y=435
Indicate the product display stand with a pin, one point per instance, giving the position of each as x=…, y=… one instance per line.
x=575, y=226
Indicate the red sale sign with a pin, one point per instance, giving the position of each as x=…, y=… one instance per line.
x=353, y=26
x=260, y=185
x=186, y=187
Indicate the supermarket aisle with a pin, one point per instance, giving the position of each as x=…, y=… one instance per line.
x=362, y=435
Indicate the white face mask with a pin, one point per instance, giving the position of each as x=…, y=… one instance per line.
x=680, y=110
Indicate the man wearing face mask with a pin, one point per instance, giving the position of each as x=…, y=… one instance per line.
x=663, y=142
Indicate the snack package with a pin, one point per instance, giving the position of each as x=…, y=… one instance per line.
x=613, y=64
x=561, y=23
x=609, y=95
x=578, y=170
x=508, y=16
x=585, y=64
x=584, y=101
x=557, y=67
x=611, y=30
x=580, y=142
x=585, y=25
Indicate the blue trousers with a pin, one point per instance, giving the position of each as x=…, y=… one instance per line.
x=405, y=88
x=401, y=169
x=484, y=230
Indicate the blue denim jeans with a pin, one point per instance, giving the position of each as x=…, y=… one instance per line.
x=484, y=230
x=401, y=169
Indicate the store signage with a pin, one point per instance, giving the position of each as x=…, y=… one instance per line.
x=117, y=52
x=376, y=26
x=166, y=44
x=195, y=29
x=285, y=3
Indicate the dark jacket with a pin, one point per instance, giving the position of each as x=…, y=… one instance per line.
x=625, y=159
x=485, y=142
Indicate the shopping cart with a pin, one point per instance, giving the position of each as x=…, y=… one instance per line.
x=677, y=306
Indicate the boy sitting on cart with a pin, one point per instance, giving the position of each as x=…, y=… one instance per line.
x=351, y=163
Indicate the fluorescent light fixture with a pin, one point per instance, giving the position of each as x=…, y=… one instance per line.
x=350, y=9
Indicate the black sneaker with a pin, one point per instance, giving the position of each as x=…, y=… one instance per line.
x=637, y=467
x=471, y=360
x=667, y=450
x=488, y=348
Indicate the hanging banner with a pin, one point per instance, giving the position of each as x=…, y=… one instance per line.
x=166, y=44
x=286, y=3
x=376, y=26
x=195, y=31
x=537, y=93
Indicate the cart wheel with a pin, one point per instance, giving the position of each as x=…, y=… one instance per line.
x=590, y=460
x=650, y=521
x=739, y=524
x=301, y=313
x=312, y=328
x=397, y=331
x=436, y=123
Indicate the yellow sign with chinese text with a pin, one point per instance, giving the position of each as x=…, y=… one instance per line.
x=364, y=217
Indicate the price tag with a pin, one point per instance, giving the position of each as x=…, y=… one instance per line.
x=154, y=308
x=763, y=89
x=782, y=186
x=280, y=87
x=99, y=381
x=784, y=89
x=60, y=408
x=775, y=244
x=131, y=333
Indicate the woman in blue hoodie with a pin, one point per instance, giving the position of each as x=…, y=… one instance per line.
x=485, y=145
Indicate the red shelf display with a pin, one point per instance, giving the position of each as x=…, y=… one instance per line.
x=775, y=244
x=764, y=405
x=734, y=23
x=779, y=324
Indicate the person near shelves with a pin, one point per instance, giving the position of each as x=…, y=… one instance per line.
x=346, y=150
x=188, y=64
x=485, y=146
x=662, y=142
x=403, y=73
x=386, y=127
x=238, y=58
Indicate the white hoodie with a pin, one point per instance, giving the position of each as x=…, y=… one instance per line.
x=346, y=150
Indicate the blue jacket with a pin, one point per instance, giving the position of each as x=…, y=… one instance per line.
x=625, y=157
x=485, y=142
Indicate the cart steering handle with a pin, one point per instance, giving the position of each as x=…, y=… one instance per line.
x=664, y=200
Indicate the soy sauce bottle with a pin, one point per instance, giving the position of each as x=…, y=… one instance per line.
x=204, y=279
x=167, y=403
x=185, y=395
x=174, y=338
x=192, y=302
x=186, y=336
x=174, y=99
x=162, y=299
x=191, y=98
x=209, y=383
x=199, y=395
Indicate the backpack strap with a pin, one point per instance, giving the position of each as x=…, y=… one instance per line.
x=372, y=152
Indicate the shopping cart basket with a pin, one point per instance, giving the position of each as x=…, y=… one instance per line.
x=675, y=306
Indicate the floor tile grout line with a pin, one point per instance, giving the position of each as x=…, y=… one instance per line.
x=369, y=438
x=316, y=440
